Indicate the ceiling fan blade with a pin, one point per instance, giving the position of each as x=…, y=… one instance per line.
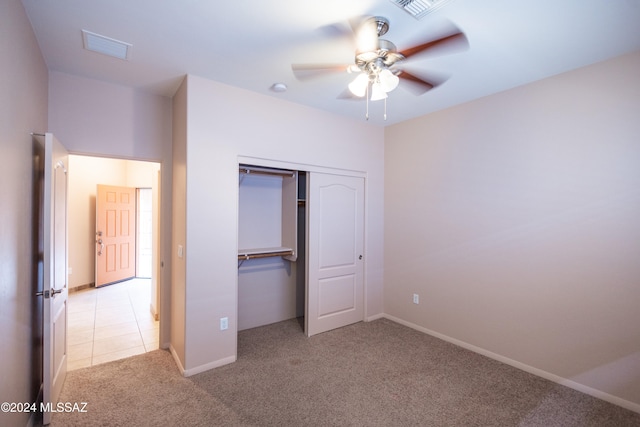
x=453, y=42
x=417, y=85
x=336, y=30
x=310, y=71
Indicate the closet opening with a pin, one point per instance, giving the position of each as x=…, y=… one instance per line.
x=271, y=246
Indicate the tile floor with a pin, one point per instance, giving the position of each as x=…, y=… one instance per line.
x=110, y=323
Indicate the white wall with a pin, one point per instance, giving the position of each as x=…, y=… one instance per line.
x=102, y=119
x=224, y=123
x=516, y=218
x=23, y=109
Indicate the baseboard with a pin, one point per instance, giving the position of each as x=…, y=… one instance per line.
x=375, y=317
x=31, y=422
x=530, y=369
x=153, y=312
x=176, y=359
x=82, y=287
x=35, y=419
x=208, y=366
x=201, y=368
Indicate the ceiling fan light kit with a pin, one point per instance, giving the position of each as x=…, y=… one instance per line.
x=373, y=62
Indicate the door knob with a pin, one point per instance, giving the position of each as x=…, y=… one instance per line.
x=52, y=293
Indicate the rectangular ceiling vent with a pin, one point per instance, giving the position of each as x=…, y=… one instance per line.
x=105, y=45
x=420, y=8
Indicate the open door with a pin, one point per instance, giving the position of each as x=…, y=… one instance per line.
x=55, y=287
x=115, y=234
x=335, y=286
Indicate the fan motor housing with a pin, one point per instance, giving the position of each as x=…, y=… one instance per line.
x=386, y=54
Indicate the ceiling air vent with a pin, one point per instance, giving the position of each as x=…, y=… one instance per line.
x=420, y=8
x=105, y=45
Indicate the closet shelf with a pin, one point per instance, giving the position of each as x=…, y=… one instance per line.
x=265, y=171
x=245, y=254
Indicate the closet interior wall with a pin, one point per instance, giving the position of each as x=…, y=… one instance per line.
x=271, y=219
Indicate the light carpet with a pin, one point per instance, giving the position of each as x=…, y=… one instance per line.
x=368, y=374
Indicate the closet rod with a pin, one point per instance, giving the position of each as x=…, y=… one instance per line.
x=264, y=255
x=251, y=171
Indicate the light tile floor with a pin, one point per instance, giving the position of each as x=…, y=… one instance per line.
x=110, y=323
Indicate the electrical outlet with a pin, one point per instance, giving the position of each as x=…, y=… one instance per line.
x=416, y=299
x=224, y=323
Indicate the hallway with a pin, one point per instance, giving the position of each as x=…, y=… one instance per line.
x=110, y=323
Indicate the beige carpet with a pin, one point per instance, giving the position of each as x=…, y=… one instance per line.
x=368, y=374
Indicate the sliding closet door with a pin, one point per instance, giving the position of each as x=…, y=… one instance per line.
x=335, y=286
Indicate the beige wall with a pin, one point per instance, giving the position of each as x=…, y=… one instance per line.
x=23, y=109
x=85, y=174
x=94, y=117
x=222, y=124
x=179, y=226
x=516, y=218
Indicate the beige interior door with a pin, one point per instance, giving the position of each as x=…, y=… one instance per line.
x=115, y=234
x=335, y=285
x=55, y=289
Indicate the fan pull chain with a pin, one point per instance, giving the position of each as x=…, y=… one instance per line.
x=385, y=108
x=367, y=96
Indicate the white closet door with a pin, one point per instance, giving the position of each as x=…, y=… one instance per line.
x=335, y=286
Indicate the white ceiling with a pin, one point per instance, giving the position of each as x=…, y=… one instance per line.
x=252, y=44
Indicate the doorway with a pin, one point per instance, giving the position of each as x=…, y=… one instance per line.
x=118, y=320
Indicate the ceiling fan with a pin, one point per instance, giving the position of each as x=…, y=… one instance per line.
x=378, y=63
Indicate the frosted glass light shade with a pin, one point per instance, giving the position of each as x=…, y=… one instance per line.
x=358, y=87
x=377, y=92
x=388, y=80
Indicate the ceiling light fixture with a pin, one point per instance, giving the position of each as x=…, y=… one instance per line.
x=279, y=87
x=373, y=64
x=379, y=65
